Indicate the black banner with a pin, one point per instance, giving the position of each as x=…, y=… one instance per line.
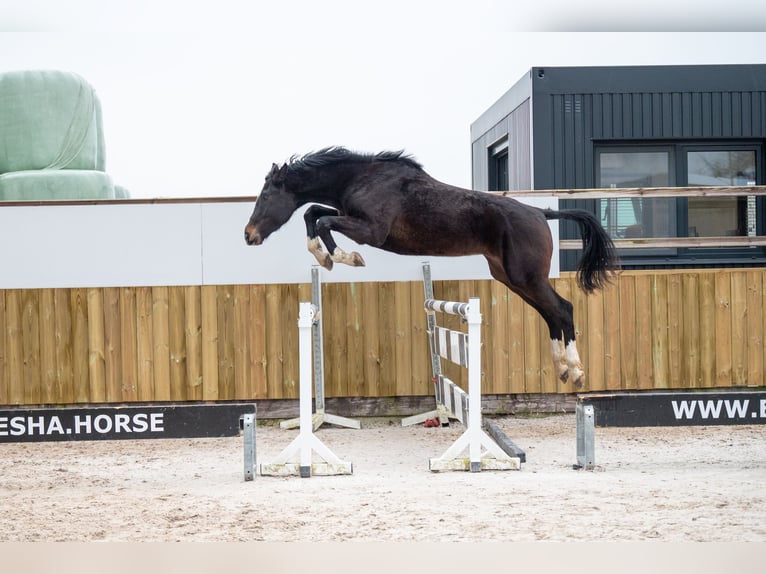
x=122, y=422
x=678, y=409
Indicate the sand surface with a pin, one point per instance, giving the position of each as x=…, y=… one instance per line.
x=680, y=484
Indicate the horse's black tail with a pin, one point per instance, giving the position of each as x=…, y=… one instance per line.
x=599, y=258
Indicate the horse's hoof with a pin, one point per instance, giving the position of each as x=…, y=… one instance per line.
x=326, y=262
x=564, y=377
x=356, y=259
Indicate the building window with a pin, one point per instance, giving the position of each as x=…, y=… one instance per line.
x=719, y=216
x=636, y=217
x=498, y=166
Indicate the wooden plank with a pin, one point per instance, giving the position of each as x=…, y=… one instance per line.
x=628, y=328
x=387, y=338
x=161, y=352
x=337, y=320
x=177, y=343
x=739, y=327
x=64, y=346
x=708, y=335
x=532, y=374
x=14, y=347
x=96, y=391
x=723, y=320
x=78, y=301
x=144, y=345
x=129, y=345
x=594, y=368
x=403, y=340
x=422, y=373
x=4, y=400
x=112, y=344
x=675, y=242
x=354, y=342
x=226, y=387
x=243, y=388
x=257, y=341
x=697, y=191
x=515, y=338
x=371, y=337
x=644, y=344
x=498, y=343
x=193, y=332
x=691, y=333
x=675, y=331
x=290, y=381
x=30, y=341
x=755, y=327
x=660, y=363
x=209, y=325
x=48, y=379
x=611, y=321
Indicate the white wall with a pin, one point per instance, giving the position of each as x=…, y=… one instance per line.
x=190, y=243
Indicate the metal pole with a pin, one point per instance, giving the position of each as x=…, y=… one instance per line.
x=316, y=299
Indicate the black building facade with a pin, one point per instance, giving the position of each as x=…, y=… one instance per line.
x=637, y=126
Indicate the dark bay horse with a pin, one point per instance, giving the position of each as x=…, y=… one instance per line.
x=388, y=201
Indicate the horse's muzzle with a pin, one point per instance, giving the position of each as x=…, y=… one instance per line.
x=252, y=237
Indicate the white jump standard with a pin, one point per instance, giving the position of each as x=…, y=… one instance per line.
x=465, y=350
x=306, y=443
x=320, y=415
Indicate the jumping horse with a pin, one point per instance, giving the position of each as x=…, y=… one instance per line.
x=388, y=201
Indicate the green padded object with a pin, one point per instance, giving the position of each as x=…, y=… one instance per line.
x=51, y=138
x=53, y=184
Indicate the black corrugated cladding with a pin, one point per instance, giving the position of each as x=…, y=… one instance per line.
x=575, y=108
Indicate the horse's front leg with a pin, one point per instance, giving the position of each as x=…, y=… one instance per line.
x=360, y=230
x=314, y=245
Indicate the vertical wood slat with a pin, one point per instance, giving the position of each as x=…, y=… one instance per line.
x=112, y=344
x=177, y=343
x=755, y=326
x=258, y=334
x=4, y=399
x=13, y=347
x=723, y=328
x=78, y=300
x=193, y=341
x=48, y=333
x=144, y=345
x=739, y=327
x=403, y=341
x=64, y=346
x=708, y=336
x=161, y=343
x=30, y=343
x=420, y=357
x=128, y=345
x=96, y=346
x=691, y=335
x=209, y=351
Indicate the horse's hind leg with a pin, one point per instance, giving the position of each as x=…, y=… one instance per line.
x=537, y=291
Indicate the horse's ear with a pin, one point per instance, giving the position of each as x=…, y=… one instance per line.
x=279, y=173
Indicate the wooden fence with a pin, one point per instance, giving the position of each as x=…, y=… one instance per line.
x=650, y=329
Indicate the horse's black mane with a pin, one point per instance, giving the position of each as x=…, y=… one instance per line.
x=338, y=154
